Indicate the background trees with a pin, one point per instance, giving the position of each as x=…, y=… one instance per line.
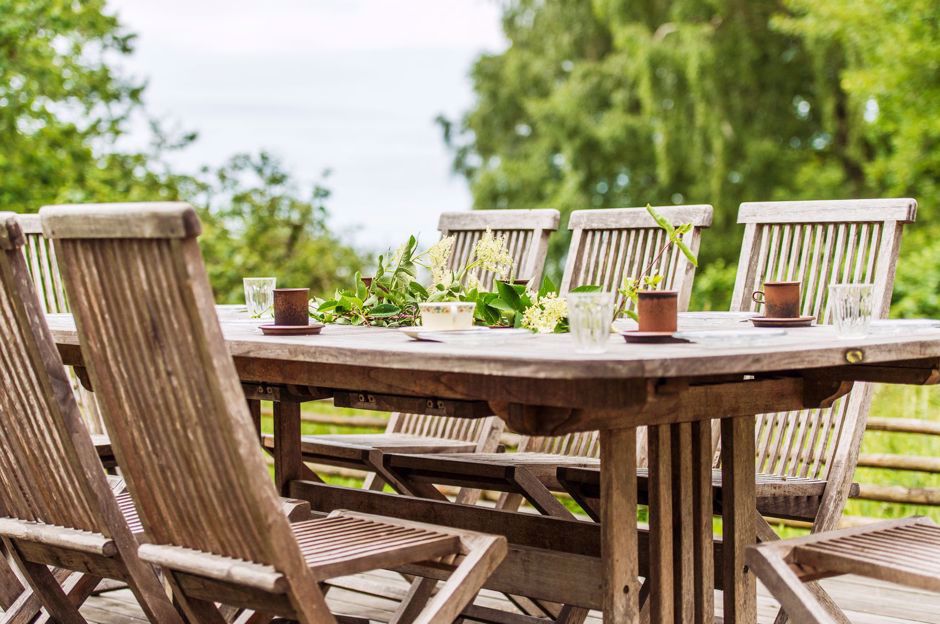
x=603, y=103
x=64, y=109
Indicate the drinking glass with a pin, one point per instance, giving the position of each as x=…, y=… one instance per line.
x=259, y=296
x=589, y=317
x=850, y=309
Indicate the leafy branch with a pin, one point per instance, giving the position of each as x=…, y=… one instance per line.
x=631, y=286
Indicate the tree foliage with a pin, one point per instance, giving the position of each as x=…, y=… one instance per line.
x=64, y=108
x=606, y=103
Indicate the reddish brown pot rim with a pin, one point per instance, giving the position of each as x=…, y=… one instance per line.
x=658, y=293
x=781, y=283
x=289, y=290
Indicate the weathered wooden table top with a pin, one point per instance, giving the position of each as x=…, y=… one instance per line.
x=553, y=356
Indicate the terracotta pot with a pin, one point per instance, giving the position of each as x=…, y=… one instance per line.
x=291, y=307
x=780, y=299
x=658, y=310
x=367, y=281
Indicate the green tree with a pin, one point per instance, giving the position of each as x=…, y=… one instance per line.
x=59, y=96
x=606, y=103
x=64, y=108
x=258, y=222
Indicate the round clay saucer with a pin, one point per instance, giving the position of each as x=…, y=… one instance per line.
x=650, y=337
x=291, y=330
x=798, y=321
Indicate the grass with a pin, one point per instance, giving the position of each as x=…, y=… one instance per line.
x=889, y=402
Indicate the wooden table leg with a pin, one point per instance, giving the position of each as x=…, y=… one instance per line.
x=681, y=581
x=661, y=577
x=254, y=408
x=619, y=547
x=288, y=461
x=703, y=560
x=738, y=510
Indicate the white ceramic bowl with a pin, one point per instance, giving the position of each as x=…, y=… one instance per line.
x=447, y=316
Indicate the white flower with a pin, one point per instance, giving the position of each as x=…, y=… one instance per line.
x=439, y=258
x=492, y=255
x=396, y=257
x=473, y=282
x=545, y=314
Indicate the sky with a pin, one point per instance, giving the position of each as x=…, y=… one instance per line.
x=347, y=85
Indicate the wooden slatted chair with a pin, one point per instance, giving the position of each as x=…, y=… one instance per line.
x=526, y=233
x=56, y=504
x=43, y=269
x=606, y=245
x=906, y=552
x=805, y=459
x=185, y=440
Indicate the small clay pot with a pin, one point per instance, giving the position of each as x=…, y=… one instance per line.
x=658, y=310
x=291, y=307
x=780, y=299
x=367, y=281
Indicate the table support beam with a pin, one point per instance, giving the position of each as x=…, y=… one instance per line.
x=619, y=544
x=738, y=511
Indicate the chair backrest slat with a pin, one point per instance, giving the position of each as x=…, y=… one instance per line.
x=526, y=233
x=819, y=243
x=166, y=384
x=606, y=246
x=44, y=271
x=42, y=438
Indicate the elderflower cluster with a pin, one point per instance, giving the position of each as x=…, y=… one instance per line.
x=438, y=259
x=492, y=255
x=545, y=313
x=473, y=282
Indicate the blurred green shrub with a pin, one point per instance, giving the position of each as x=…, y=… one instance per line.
x=713, y=286
x=917, y=286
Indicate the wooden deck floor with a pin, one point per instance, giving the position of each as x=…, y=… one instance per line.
x=866, y=602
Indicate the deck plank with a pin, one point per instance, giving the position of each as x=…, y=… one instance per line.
x=866, y=601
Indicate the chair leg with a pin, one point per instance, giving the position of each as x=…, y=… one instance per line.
x=196, y=611
x=46, y=587
x=27, y=608
x=796, y=599
x=417, y=598
x=484, y=554
x=10, y=585
x=766, y=534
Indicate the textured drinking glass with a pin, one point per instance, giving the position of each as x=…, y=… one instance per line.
x=589, y=318
x=850, y=306
x=259, y=296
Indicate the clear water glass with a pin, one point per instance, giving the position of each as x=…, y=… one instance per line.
x=850, y=309
x=589, y=317
x=259, y=296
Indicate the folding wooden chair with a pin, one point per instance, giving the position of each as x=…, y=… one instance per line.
x=41, y=262
x=57, y=507
x=805, y=459
x=906, y=552
x=606, y=245
x=171, y=398
x=526, y=233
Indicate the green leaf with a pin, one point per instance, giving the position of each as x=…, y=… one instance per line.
x=384, y=310
x=509, y=296
x=687, y=252
x=547, y=286
x=660, y=220
x=587, y=288
x=418, y=290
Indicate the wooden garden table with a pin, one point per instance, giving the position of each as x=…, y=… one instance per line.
x=540, y=386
